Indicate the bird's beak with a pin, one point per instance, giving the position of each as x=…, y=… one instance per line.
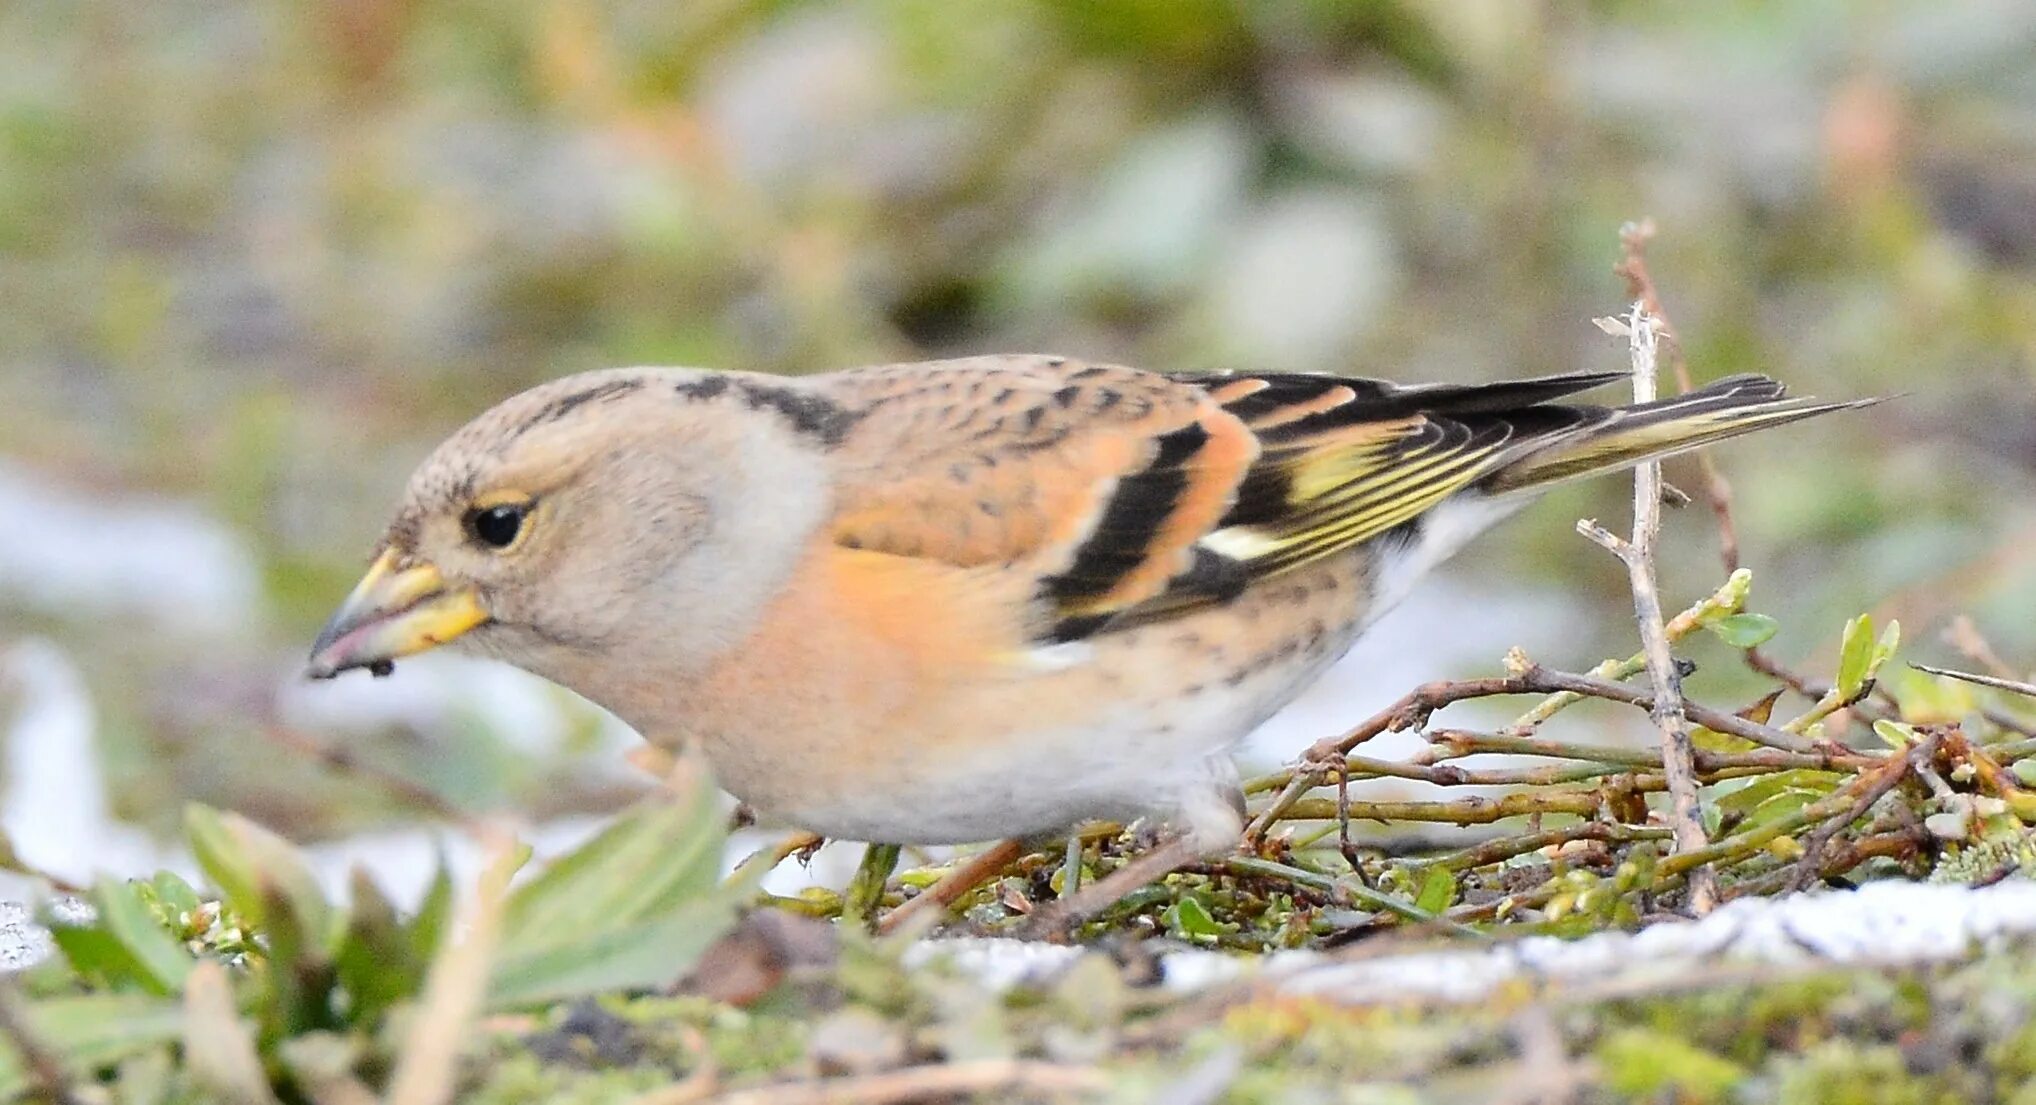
x=394, y=611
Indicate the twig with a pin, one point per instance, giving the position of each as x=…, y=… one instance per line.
x=1349, y=889
x=1838, y=859
x=1732, y=849
x=1810, y=867
x=1638, y=556
x=44, y=1067
x=1717, y=492
x=1464, y=742
x=1728, y=599
x=344, y=762
x=965, y=877
x=1996, y=682
x=1004, y=1078
x=1410, y=712
x=1506, y=847
x=1562, y=687
x=1964, y=636
x=1460, y=811
x=1715, y=720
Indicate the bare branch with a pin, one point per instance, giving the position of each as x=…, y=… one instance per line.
x=1996, y=682
x=1637, y=553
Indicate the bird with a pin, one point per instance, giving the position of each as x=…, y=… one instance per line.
x=991, y=597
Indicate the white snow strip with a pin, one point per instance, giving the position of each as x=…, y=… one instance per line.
x=1881, y=924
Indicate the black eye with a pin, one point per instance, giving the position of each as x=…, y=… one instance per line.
x=496, y=526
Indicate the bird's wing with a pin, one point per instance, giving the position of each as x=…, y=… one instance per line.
x=1127, y=496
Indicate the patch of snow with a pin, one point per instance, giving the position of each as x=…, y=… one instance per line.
x=1882, y=923
x=54, y=806
x=1879, y=924
x=172, y=566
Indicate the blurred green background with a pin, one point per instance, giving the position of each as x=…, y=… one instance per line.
x=256, y=258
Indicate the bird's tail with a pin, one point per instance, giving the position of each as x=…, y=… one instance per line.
x=1627, y=436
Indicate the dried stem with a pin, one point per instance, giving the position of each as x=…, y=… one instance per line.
x=1637, y=554
x=1811, y=866
x=344, y=762
x=991, y=1079
x=1996, y=682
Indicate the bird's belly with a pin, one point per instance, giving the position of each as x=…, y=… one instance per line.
x=1118, y=732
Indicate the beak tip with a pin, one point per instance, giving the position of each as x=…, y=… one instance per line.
x=393, y=612
x=320, y=668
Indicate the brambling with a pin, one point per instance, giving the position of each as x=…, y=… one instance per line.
x=963, y=600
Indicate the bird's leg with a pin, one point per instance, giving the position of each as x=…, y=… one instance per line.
x=1054, y=920
x=866, y=888
x=1071, y=866
x=965, y=877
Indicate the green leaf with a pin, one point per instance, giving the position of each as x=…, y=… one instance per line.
x=1749, y=797
x=633, y=908
x=1191, y=919
x=378, y=965
x=174, y=894
x=98, y=957
x=1897, y=734
x=161, y=960
x=223, y=860
x=1780, y=806
x=1745, y=630
x=647, y=955
x=297, y=991
x=1855, y=655
x=254, y=868
x=93, y=1030
x=1884, y=649
x=428, y=927
x=1438, y=890
x=659, y=856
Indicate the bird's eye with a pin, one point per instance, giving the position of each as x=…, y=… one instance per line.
x=497, y=526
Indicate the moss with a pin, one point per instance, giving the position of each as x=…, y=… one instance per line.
x=1837, y=1072
x=1641, y=1063
x=522, y=1079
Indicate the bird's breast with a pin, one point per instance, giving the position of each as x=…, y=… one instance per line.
x=873, y=703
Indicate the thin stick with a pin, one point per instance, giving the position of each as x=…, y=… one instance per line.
x=1717, y=493
x=1996, y=682
x=1056, y=919
x=1349, y=889
x=993, y=1079
x=1638, y=556
x=1811, y=866
x=1460, y=811
x=344, y=762
x=965, y=877
x=1715, y=720
x=1506, y=847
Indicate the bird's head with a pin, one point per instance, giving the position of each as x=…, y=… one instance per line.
x=628, y=519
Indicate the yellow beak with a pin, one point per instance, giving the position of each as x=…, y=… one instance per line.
x=393, y=612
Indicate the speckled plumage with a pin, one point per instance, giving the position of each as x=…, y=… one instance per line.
x=953, y=601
